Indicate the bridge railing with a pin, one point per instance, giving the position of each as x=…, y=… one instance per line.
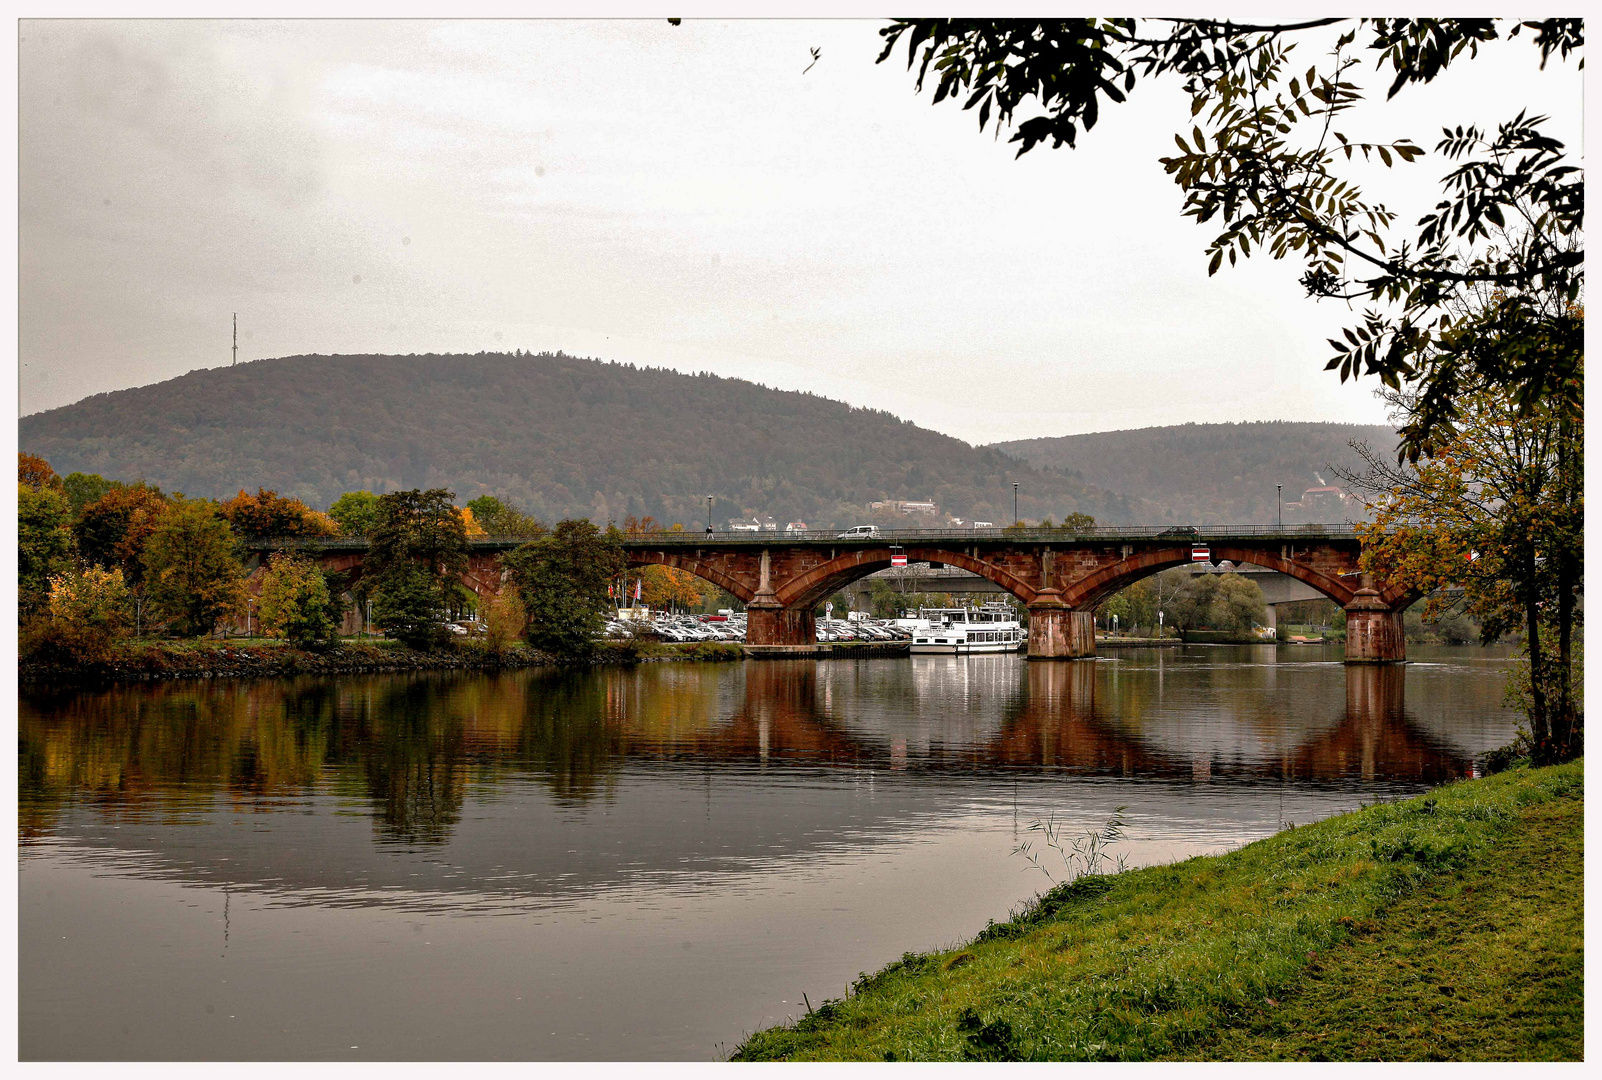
x=1183, y=534
x=1179, y=534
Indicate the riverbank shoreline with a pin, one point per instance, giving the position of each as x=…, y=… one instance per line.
x=151, y=661
x=1289, y=947
x=1137, y=643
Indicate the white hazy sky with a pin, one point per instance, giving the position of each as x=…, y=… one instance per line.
x=682, y=197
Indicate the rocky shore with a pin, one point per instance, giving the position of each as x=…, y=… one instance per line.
x=148, y=661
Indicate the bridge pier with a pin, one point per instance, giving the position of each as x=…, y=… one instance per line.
x=1058, y=632
x=771, y=630
x=1374, y=633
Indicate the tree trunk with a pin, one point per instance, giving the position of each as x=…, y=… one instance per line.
x=1566, y=555
x=1540, y=734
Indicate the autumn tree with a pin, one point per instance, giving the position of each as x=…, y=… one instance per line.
x=662, y=586
x=191, y=568
x=295, y=602
x=268, y=514
x=36, y=473
x=505, y=620
x=87, y=608
x=562, y=579
x=1492, y=524
x=1269, y=165
x=416, y=554
x=113, y=530
x=670, y=587
x=93, y=599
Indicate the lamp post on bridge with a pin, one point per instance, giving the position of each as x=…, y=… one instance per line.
x=1279, y=505
x=1015, y=502
x=709, y=515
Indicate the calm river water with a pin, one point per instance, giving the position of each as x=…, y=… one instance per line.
x=638, y=863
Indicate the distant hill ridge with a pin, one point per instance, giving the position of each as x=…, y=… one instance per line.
x=558, y=435
x=1210, y=473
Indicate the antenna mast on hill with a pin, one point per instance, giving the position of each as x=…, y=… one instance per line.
x=236, y=337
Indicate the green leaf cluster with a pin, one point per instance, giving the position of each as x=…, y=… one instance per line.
x=295, y=602
x=562, y=579
x=1267, y=163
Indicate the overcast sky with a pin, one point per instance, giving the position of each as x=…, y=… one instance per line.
x=683, y=197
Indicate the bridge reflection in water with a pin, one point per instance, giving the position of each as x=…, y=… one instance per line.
x=413, y=748
x=1055, y=719
x=632, y=862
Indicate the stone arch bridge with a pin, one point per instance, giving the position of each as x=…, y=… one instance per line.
x=1059, y=575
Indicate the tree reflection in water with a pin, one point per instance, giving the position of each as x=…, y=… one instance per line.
x=413, y=747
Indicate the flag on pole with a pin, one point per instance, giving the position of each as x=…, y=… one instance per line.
x=609, y=589
x=637, y=583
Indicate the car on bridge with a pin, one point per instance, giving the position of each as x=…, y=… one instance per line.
x=859, y=532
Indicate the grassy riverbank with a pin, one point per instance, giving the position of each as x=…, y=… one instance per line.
x=1445, y=926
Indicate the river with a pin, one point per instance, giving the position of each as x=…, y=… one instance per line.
x=638, y=863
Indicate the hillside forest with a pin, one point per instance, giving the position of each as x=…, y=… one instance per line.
x=1217, y=474
x=555, y=435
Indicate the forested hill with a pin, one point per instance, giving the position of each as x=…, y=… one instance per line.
x=557, y=435
x=1208, y=473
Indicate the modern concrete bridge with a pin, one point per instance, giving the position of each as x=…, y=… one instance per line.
x=1058, y=574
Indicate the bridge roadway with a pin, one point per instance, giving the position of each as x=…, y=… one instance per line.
x=1059, y=575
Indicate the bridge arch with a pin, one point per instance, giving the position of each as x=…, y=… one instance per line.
x=1091, y=590
x=701, y=568
x=811, y=588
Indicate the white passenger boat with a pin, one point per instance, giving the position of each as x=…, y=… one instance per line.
x=993, y=628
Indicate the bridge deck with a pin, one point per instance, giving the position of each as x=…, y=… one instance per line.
x=1108, y=534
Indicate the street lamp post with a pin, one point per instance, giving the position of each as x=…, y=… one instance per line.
x=709, y=515
x=1279, y=504
x=1015, y=502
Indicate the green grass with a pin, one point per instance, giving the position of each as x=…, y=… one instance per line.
x=1336, y=939
x=1482, y=964
x=691, y=650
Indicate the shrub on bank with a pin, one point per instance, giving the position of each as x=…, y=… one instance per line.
x=54, y=642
